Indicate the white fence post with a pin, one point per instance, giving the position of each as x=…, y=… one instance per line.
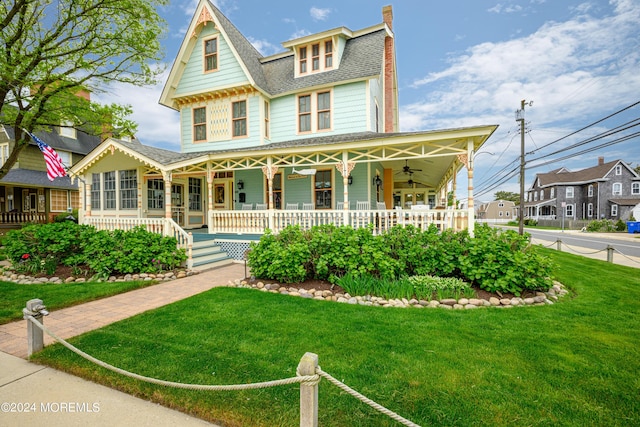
x=308, y=392
x=35, y=338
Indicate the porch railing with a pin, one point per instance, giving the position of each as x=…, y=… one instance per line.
x=255, y=222
x=164, y=226
x=17, y=218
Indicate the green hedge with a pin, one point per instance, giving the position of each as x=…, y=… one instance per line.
x=40, y=248
x=494, y=260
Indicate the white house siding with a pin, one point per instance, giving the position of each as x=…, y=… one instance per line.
x=195, y=80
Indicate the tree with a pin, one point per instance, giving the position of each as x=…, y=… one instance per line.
x=51, y=51
x=508, y=195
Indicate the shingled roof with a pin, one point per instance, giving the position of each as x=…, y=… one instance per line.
x=82, y=144
x=563, y=176
x=362, y=58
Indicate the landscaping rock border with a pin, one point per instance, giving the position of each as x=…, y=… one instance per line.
x=22, y=279
x=541, y=298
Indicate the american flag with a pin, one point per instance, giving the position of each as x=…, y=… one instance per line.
x=55, y=168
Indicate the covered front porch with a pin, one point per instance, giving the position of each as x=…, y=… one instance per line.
x=376, y=180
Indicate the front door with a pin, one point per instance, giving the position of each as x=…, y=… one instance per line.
x=222, y=191
x=177, y=203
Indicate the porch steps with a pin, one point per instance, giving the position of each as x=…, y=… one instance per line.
x=207, y=255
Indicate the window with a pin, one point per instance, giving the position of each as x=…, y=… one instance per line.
x=500, y=214
x=590, y=210
x=277, y=190
x=95, y=191
x=109, y=181
x=507, y=213
x=304, y=113
x=200, y=124
x=614, y=210
x=211, y=55
x=59, y=200
x=155, y=194
x=569, y=192
x=552, y=193
x=617, y=189
x=239, y=119
x=324, y=110
x=128, y=189
x=315, y=57
x=535, y=196
x=328, y=54
x=303, y=60
x=195, y=194
x=75, y=199
x=541, y=195
x=65, y=156
x=569, y=210
x=590, y=190
x=635, y=188
x=500, y=205
x=618, y=169
x=323, y=189
x=266, y=119
x=67, y=129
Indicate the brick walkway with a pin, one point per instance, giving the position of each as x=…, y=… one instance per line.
x=72, y=321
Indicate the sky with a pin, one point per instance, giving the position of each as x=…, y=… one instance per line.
x=465, y=63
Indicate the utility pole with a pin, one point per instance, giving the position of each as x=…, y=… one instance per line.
x=520, y=118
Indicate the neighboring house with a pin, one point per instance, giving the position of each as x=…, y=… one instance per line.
x=609, y=190
x=26, y=194
x=306, y=136
x=497, y=211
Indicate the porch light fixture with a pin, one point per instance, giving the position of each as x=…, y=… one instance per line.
x=350, y=179
x=240, y=185
x=377, y=181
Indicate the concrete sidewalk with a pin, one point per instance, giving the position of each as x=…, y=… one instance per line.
x=32, y=393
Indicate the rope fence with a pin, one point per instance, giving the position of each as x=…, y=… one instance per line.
x=559, y=243
x=308, y=383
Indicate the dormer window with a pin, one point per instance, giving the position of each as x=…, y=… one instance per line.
x=67, y=129
x=303, y=60
x=319, y=54
x=211, y=55
x=315, y=57
x=328, y=54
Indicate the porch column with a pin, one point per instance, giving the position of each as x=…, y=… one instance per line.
x=467, y=160
x=270, y=171
x=454, y=187
x=345, y=167
x=86, y=188
x=210, y=176
x=167, y=194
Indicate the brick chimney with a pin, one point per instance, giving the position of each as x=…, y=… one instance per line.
x=600, y=161
x=390, y=92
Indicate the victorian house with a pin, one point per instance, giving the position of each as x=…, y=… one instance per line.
x=306, y=136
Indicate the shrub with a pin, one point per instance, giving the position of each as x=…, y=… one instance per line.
x=621, y=225
x=42, y=247
x=604, y=225
x=493, y=260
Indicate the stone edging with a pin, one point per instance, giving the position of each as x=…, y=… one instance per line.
x=22, y=279
x=541, y=298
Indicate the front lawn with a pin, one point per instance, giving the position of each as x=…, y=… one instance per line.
x=574, y=363
x=57, y=296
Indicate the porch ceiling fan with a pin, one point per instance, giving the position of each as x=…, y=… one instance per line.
x=406, y=169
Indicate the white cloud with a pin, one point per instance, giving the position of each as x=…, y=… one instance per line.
x=318, y=14
x=264, y=47
x=158, y=125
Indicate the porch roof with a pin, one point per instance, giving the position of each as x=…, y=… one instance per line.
x=31, y=178
x=362, y=147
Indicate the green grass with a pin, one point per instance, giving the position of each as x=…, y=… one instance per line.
x=574, y=363
x=57, y=296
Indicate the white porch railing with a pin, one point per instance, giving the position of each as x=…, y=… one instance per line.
x=164, y=226
x=17, y=218
x=255, y=222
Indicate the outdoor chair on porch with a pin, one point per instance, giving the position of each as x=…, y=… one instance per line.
x=292, y=206
x=261, y=206
x=247, y=206
x=339, y=206
x=307, y=206
x=362, y=206
x=381, y=206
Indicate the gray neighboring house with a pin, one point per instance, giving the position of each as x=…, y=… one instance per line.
x=26, y=194
x=607, y=191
